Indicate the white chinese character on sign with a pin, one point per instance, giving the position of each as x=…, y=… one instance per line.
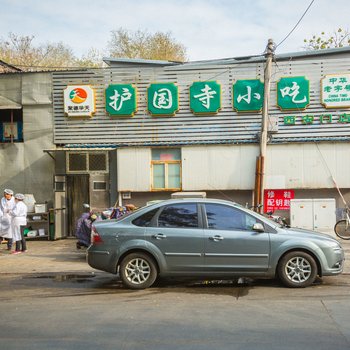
x=293, y=92
x=207, y=94
x=287, y=194
x=162, y=99
x=248, y=96
x=118, y=99
x=286, y=202
x=270, y=194
x=279, y=202
x=271, y=202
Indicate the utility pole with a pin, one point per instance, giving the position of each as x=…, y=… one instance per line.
x=260, y=162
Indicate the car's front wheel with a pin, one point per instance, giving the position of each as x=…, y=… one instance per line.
x=138, y=271
x=297, y=269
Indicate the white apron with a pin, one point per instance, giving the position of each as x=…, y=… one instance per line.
x=6, y=219
x=16, y=232
x=19, y=218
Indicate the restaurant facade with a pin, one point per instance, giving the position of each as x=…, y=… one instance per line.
x=140, y=130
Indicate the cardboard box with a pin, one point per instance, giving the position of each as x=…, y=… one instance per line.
x=40, y=208
x=41, y=232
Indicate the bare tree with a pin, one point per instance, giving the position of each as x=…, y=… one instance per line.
x=92, y=59
x=141, y=44
x=339, y=38
x=21, y=51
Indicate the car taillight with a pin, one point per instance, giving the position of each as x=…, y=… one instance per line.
x=95, y=236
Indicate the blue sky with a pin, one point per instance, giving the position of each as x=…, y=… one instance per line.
x=208, y=28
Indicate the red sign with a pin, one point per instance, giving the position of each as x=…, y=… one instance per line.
x=277, y=200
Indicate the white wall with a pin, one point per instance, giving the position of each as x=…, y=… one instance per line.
x=218, y=167
x=134, y=169
x=232, y=167
x=308, y=165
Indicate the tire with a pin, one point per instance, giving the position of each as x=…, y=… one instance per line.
x=342, y=229
x=297, y=269
x=138, y=271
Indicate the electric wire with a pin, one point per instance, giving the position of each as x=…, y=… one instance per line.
x=287, y=36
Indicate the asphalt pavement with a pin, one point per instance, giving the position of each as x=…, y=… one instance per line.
x=52, y=299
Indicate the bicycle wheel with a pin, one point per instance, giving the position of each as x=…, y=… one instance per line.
x=342, y=229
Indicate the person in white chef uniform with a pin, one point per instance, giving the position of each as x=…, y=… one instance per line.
x=19, y=223
x=7, y=203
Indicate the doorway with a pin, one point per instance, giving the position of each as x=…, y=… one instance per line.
x=77, y=195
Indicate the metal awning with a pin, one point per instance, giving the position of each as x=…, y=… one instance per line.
x=77, y=149
x=6, y=103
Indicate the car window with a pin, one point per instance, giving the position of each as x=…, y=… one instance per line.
x=145, y=219
x=222, y=217
x=179, y=215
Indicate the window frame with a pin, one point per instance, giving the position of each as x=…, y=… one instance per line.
x=87, y=164
x=14, y=118
x=267, y=228
x=155, y=219
x=166, y=164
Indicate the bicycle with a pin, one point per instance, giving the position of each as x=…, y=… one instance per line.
x=342, y=227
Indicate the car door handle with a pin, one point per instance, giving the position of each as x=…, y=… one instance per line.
x=216, y=238
x=159, y=236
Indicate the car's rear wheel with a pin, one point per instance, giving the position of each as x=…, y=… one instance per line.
x=297, y=269
x=138, y=271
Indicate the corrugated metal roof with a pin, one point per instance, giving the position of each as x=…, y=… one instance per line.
x=230, y=60
x=261, y=58
x=137, y=61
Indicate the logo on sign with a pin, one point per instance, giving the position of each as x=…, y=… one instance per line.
x=78, y=95
x=79, y=101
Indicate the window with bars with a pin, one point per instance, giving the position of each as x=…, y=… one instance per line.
x=11, y=125
x=166, y=169
x=84, y=162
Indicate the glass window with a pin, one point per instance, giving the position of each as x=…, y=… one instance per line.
x=166, y=168
x=174, y=175
x=222, y=217
x=179, y=215
x=166, y=154
x=100, y=185
x=159, y=175
x=145, y=219
x=11, y=125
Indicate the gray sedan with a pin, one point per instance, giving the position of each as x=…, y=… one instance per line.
x=212, y=239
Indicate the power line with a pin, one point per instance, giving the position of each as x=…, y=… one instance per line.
x=287, y=36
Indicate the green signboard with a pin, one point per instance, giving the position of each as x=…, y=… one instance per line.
x=205, y=97
x=248, y=95
x=293, y=93
x=162, y=99
x=121, y=100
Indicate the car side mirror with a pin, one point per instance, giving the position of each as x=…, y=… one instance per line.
x=258, y=227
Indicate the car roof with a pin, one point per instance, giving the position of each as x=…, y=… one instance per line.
x=193, y=200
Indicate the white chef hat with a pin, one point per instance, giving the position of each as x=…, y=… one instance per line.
x=8, y=191
x=19, y=196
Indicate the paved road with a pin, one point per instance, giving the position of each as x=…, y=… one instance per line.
x=50, y=299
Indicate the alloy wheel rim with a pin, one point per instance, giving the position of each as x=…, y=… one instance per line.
x=137, y=271
x=298, y=269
